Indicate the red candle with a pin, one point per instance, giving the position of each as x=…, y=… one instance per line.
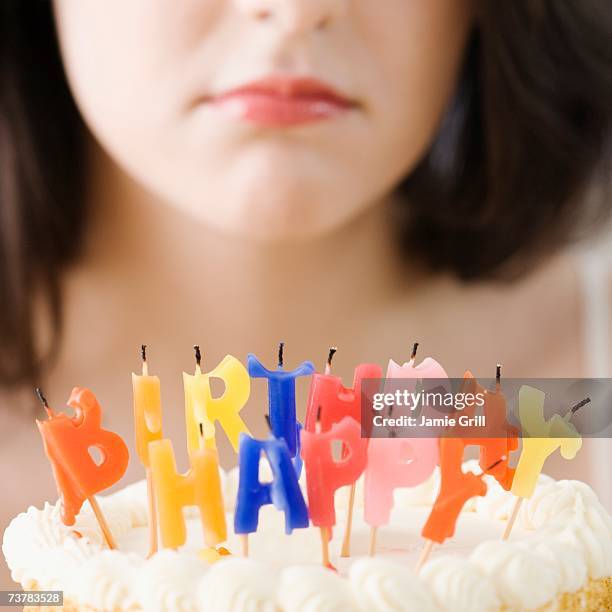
x=67, y=441
x=329, y=402
x=324, y=475
x=336, y=400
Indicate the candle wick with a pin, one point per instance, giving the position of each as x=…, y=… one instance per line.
x=43, y=401
x=330, y=356
x=498, y=374
x=574, y=409
x=201, y=429
x=196, y=348
x=143, y=351
x=493, y=465
x=415, y=347
x=281, y=350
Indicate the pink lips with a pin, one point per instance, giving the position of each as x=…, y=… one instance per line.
x=283, y=101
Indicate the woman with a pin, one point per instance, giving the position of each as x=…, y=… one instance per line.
x=323, y=172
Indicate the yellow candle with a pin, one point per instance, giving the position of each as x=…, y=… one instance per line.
x=200, y=487
x=201, y=408
x=540, y=439
x=147, y=410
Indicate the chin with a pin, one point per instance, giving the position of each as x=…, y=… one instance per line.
x=274, y=219
x=277, y=205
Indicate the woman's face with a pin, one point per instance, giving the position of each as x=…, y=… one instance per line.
x=271, y=119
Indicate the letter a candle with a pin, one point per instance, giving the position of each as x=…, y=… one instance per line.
x=67, y=441
x=541, y=438
x=148, y=427
x=283, y=492
x=329, y=402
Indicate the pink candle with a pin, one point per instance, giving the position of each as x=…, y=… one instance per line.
x=324, y=475
x=393, y=463
x=398, y=462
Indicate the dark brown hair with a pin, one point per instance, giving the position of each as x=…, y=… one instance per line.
x=505, y=182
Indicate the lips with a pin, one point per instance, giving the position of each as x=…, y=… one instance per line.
x=283, y=101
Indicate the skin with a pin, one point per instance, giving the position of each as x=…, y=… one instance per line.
x=207, y=229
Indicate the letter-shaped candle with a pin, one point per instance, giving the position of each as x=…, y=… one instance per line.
x=397, y=462
x=540, y=439
x=456, y=487
x=281, y=398
x=147, y=412
x=67, y=442
x=148, y=427
x=283, y=492
x=200, y=486
x=494, y=451
x=324, y=475
x=335, y=400
x=202, y=408
x=393, y=463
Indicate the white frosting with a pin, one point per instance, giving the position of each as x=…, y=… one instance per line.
x=569, y=512
x=563, y=535
x=105, y=581
x=381, y=585
x=567, y=560
x=314, y=589
x=521, y=578
x=457, y=584
x=169, y=581
x=238, y=584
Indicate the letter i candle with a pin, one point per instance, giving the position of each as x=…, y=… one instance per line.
x=148, y=427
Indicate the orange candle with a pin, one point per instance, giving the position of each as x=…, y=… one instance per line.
x=495, y=450
x=456, y=487
x=67, y=441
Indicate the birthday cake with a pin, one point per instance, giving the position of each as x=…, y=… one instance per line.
x=559, y=556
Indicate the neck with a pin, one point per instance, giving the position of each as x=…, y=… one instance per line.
x=156, y=255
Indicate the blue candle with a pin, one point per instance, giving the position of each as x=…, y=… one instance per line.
x=283, y=492
x=281, y=397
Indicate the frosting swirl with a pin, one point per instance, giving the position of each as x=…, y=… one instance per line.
x=237, y=584
x=521, y=579
x=314, y=589
x=388, y=586
x=458, y=584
